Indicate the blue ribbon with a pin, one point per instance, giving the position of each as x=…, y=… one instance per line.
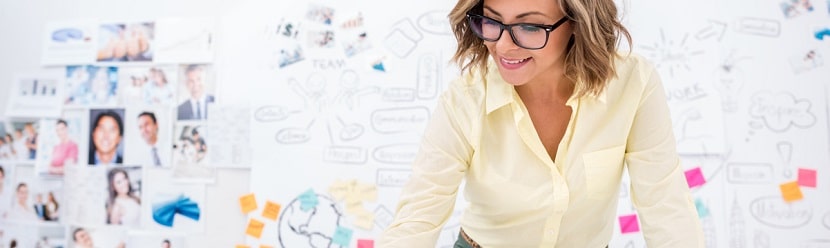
x=164, y=212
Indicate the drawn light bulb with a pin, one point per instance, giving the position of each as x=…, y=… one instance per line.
x=785, y=150
x=730, y=82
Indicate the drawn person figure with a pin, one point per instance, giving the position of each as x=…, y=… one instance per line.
x=540, y=124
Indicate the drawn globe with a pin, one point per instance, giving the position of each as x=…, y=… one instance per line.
x=312, y=228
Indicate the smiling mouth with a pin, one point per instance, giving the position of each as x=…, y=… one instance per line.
x=514, y=61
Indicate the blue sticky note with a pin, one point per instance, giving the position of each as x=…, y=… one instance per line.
x=702, y=210
x=342, y=236
x=308, y=200
x=379, y=67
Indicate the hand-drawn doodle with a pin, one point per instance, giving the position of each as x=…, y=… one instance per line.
x=403, y=39
x=350, y=90
x=749, y=173
x=761, y=239
x=730, y=82
x=758, y=26
x=312, y=228
x=293, y=136
x=345, y=154
x=435, y=22
x=782, y=111
x=383, y=217
x=774, y=212
x=398, y=95
x=826, y=220
x=806, y=61
x=395, y=120
x=396, y=153
x=671, y=54
x=785, y=151
x=429, y=76
x=714, y=29
x=392, y=177
x=737, y=225
x=272, y=113
x=350, y=131
x=815, y=243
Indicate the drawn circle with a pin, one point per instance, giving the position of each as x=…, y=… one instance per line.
x=313, y=227
x=316, y=82
x=349, y=79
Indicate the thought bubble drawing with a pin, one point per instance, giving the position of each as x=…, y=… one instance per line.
x=781, y=111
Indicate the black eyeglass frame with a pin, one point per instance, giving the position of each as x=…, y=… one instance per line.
x=509, y=27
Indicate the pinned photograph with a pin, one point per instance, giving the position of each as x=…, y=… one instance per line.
x=153, y=239
x=807, y=62
x=35, y=200
x=172, y=207
x=91, y=86
x=320, y=14
x=126, y=42
x=190, y=153
x=149, y=136
x=86, y=195
x=196, y=92
x=185, y=40
x=89, y=237
x=35, y=97
x=106, y=140
x=148, y=85
x=62, y=137
x=32, y=235
x=66, y=43
x=20, y=141
x=321, y=39
x=123, y=205
x=7, y=189
x=287, y=37
x=793, y=8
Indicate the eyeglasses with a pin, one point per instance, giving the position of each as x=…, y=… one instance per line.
x=525, y=35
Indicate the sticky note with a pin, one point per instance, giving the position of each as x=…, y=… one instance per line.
x=366, y=192
x=255, y=228
x=791, y=192
x=242, y=246
x=271, y=211
x=340, y=189
x=247, y=203
x=365, y=221
x=694, y=177
x=807, y=178
x=342, y=236
x=265, y=246
x=365, y=243
x=629, y=224
x=702, y=210
x=308, y=200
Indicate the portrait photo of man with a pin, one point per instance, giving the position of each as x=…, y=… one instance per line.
x=195, y=106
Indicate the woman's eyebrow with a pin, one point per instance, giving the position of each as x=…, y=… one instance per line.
x=518, y=16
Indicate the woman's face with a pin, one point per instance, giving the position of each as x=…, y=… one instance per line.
x=83, y=238
x=106, y=135
x=22, y=195
x=61, y=130
x=517, y=65
x=120, y=183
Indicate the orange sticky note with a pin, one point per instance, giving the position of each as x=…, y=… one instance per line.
x=242, y=246
x=255, y=228
x=271, y=211
x=247, y=203
x=791, y=192
x=265, y=246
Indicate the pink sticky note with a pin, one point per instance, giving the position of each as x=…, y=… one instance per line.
x=365, y=243
x=694, y=177
x=807, y=178
x=629, y=224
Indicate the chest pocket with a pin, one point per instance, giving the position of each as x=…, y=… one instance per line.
x=603, y=171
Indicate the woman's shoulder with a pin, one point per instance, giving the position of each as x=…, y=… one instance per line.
x=632, y=72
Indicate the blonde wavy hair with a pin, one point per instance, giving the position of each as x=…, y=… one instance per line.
x=591, y=53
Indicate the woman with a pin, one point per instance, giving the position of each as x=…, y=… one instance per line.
x=123, y=206
x=66, y=150
x=539, y=125
x=19, y=147
x=21, y=209
x=6, y=150
x=52, y=207
x=158, y=91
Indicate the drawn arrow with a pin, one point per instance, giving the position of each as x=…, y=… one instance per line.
x=715, y=29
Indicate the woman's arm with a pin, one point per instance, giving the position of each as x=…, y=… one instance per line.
x=658, y=187
x=429, y=197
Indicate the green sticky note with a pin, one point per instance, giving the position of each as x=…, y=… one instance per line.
x=342, y=236
x=702, y=210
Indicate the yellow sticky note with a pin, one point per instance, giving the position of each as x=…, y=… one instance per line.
x=271, y=211
x=247, y=203
x=340, y=189
x=354, y=207
x=242, y=246
x=366, y=192
x=365, y=221
x=791, y=191
x=255, y=228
